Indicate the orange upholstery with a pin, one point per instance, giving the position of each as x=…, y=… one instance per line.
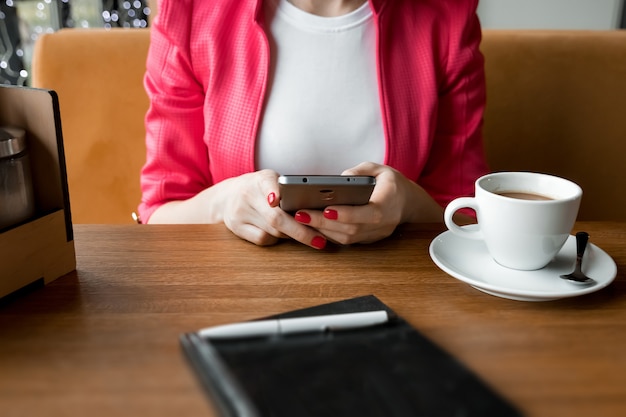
x=556, y=104
x=98, y=76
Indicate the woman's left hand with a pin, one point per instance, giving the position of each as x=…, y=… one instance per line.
x=395, y=200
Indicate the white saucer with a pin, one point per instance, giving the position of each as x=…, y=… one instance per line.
x=468, y=261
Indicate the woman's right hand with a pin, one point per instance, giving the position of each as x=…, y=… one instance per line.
x=248, y=205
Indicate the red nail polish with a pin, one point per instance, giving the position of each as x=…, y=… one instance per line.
x=271, y=197
x=331, y=214
x=318, y=242
x=302, y=217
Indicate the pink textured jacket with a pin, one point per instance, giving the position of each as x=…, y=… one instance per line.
x=207, y=73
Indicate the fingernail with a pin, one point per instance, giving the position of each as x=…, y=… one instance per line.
x=302, y=217
x=318, y=242
x=331, y=214
x=271, y=197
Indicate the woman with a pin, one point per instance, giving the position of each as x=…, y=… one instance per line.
x=242, y=90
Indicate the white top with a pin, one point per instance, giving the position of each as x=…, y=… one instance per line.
x=323, y=110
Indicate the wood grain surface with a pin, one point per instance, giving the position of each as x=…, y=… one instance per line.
x=103, y=340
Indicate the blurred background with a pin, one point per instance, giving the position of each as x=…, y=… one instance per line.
x=552, y=14
x=22, y=21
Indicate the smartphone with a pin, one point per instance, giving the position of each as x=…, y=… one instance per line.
x=320, y=191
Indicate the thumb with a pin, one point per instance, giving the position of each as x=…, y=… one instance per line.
x=364, y=168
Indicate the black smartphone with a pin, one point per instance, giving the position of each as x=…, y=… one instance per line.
x=320, y=191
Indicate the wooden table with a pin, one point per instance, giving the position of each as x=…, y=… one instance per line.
x=103, y=341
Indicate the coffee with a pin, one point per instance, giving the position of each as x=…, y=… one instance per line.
x=524, y=196
x=526, y=230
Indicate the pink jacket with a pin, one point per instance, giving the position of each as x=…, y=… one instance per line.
x=207, y=73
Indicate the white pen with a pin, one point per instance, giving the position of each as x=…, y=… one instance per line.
x=262, y=328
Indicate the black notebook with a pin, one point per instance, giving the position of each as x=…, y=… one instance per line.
x=389, y=370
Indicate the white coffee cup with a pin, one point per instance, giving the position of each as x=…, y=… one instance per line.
x=519, y=232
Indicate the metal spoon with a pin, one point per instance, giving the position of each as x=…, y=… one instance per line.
x=578, y=277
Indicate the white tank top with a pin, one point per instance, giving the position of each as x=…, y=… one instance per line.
x=322, y=113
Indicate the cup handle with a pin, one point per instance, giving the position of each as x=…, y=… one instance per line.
x=453, y=207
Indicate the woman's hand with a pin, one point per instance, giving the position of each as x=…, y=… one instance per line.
x=247, y=205
x=253, y=213
x=395, y=200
